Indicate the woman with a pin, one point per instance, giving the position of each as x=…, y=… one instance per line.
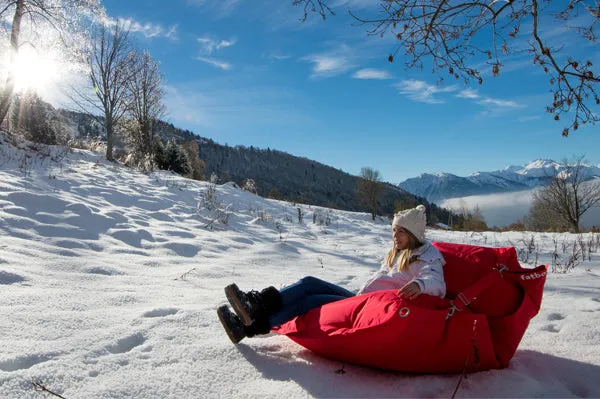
x=413, y=266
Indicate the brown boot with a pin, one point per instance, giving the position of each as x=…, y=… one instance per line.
x=236, y=331
x=251, y=305
x=232, y=324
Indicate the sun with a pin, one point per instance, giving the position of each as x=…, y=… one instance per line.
x=34, y=70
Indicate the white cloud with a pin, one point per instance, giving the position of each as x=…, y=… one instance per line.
x=332, y=63
x=370, y=73
x=217, y=63
x=172, y=33
x=493, y=106
x=209, y=45
x=468, y=93
x=149, y=30
x=499, y=103
x=421, y=91
x=328, y=65
x=279, y=57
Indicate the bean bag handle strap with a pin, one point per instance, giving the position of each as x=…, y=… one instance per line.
x=464, y=298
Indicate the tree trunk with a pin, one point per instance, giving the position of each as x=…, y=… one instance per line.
x=374, y=206
x=373, y=212
x=147, y=136
x=575, y=224
x=14, y=52
x=109, y=138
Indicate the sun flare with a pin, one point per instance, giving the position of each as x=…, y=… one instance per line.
x=34, y=70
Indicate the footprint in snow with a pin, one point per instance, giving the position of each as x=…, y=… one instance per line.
x=551, y=328
x=182, y=249
x=7, y=278
x=23, y=362
x=243, y=240
x=161, y=312
x=271, y=348
x=555, y=316
x=103, y=270
x=126, y=344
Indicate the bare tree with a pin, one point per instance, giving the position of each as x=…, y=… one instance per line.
x=370, y=188
x=542, y=217
x=110, y=67
x=147, y=94
x=445, y=33
x=569, y=194
x=61, y=15
x=472, y=219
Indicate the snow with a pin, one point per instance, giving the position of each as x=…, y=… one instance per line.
x=109, y=281
x=544, y=168
x=497, y=179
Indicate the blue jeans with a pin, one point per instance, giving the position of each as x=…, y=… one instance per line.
x=306, y=294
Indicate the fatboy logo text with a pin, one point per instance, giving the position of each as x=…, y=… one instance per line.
x=533, y=276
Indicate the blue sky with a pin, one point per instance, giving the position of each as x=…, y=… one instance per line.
x=247, y=73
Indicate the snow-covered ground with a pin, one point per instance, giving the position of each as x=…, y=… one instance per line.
x=109, y=281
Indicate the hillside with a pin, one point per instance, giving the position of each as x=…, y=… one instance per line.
x=296, y=179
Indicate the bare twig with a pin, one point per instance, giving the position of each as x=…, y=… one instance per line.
x=39, y=386
x=314, y=6
x=184, y=275
x=472, y=351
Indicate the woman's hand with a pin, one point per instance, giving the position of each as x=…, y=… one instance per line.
x=410, y=291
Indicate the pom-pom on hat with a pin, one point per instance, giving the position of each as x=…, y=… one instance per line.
x=413, y=220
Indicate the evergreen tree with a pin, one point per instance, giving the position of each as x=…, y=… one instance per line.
x=159, y=154
x=30, y=119
x=184, y=163
x=176, y=160
x=171, y=156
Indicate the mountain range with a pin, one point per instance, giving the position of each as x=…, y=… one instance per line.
x=441, y=186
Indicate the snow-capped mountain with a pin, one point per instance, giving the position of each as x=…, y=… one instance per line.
x=441, y=186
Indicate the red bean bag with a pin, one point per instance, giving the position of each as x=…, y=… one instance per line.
x=478, y=326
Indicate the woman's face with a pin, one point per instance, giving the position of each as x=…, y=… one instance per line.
x=401, y=238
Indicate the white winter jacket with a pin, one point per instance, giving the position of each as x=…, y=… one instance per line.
x=426, y=269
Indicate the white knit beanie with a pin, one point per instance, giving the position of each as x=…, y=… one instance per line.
x=413, y=220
